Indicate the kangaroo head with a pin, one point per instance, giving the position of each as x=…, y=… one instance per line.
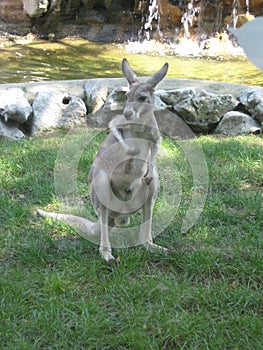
x=140, y=96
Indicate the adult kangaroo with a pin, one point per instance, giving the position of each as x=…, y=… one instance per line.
x=124, y=178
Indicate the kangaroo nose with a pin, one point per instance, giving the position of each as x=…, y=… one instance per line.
x=128, y=113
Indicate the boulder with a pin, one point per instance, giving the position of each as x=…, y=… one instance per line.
x=172, y=125
x=236, y=123
x=12, y=11
x=159, y=105
x=203, y=111
x=112, y=107
x=253, y=101
x=56, y=109
x=35, y=8
x=173, y=97
x=14, y=106
x=96, y=95
x=10, y=131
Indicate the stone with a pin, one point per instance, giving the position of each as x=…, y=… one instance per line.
x=253, y=101
x=236, y=123
x=112, y=107
x=92, y=16
x=10, y=131
x=117, y=98
x=56, y=109
x=203, y=111
x=173, y=97
x=159, y=105
x=35, y=8
x=14, y=106
x=107, y=32
x=172, y=125
x=12, y=11
x=96, y=95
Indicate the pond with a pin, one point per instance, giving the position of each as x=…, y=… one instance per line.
x=80, y=59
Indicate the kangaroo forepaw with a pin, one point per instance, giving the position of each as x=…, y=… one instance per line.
x=133, y=151
x=147, y=180
x=154, y=248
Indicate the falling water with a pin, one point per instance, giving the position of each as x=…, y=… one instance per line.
x=188, y=17
x=152, y=17
x=247, y=4
x=235, y=13
x=215, y=42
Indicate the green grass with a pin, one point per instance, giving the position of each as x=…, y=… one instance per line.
x=81, y=59
x=57, y=293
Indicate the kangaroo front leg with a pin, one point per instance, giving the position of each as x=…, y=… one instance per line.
x=118, y=134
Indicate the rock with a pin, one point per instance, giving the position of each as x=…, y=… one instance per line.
x=56, y=109
x=10, y=131
x=203, y=111
x=253, y=101
x=172, y=125
x=92, y=16
x=117, y=98
x=12, y=11
x=173, y=97
x=112, y=107
x=96, y=95
x=107, y=33
x=159, y=105
x=236, y=123
x=14, y=105
x=35, y=8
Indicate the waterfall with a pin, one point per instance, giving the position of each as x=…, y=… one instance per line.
x=188, y=18
x=235, y=13
x=152, y=16
x=189, y=28
x=247, y=4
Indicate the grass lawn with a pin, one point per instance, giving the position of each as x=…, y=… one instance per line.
x=57, y=293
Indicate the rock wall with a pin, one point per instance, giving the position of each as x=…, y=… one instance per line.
x=181, y=106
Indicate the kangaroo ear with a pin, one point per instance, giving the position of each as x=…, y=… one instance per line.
x=157, y=77
x=128, y=72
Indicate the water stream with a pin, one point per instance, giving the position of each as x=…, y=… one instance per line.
x=80, y=59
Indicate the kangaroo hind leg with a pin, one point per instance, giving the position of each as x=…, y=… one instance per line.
x=146, y=230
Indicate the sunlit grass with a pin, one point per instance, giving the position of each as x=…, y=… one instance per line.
x=57, y=293
x=80, y=59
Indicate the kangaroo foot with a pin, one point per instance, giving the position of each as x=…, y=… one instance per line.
x=109, y=258
x=154, y=248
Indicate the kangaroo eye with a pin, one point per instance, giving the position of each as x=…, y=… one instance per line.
x=142, y=98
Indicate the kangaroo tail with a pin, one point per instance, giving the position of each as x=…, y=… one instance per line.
x=86, y=227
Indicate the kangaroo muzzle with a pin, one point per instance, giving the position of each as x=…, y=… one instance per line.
x=130, y=114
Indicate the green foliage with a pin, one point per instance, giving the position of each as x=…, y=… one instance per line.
x=57, y=293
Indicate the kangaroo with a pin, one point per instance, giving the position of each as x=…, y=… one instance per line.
x=123, y=177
